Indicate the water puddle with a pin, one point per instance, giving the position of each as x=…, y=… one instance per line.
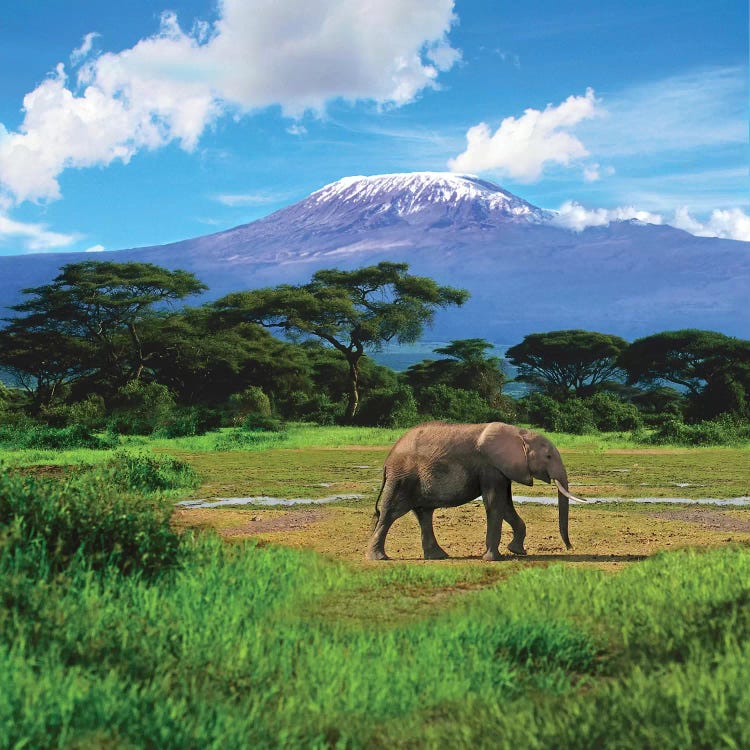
x=264, y=500
x=736, y=501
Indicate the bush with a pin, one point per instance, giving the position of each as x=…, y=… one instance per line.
x=85, y=516
x=145, y=473
x=37, y=436
x=573, y=415
x=388, y=407
x=726, y=430
x=262, y=423
x=250, y=401
x=90, y=412
x=187, y=421
x=454, y=404
x=613, y=414
x=318, y=408
x=141, y=408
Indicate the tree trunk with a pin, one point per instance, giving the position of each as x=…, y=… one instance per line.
x=352, y=403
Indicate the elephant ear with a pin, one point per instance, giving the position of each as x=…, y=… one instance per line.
x=502, y=445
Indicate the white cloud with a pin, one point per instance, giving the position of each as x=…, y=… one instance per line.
x=572, y=215
x=95, y=249
x=34, y=237
x=296, y=129
x=692, y=111
x=248, y=199
x=173, y=85
x=79, y=54
x=522, y=148
x=594, y=172
x=730, y=223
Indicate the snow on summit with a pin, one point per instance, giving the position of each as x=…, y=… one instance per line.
x=413, y=192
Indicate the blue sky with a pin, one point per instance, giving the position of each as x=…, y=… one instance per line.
x=149, y=122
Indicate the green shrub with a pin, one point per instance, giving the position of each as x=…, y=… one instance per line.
x=725, y=430
x=318, y=408
x=187, y=421
x=388, y=407
x=31, y=436
x=262, y=423
x=90, y=412
x=145, y=473
x=87, y=515
x=250, y=401
x=540, y=410
x=237, y=439
x=454, y=404
x=613, y=414
x=141, y=408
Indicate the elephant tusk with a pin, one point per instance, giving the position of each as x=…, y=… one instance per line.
x=568, y=495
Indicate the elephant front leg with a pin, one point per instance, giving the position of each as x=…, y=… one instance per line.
x=493, y=506
x=430, y=547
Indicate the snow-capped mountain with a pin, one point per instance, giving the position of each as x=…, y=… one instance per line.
x=525, y=274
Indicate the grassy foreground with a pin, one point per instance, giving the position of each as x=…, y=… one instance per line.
x=143, y=638
x=246, y=646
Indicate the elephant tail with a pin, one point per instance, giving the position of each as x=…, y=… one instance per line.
x=376, y=514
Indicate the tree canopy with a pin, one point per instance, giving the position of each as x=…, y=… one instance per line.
x=568, y=361
x=712, y=367
x=102, y=304
x=350, y=310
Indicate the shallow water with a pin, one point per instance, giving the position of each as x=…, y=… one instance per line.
x=265, y=500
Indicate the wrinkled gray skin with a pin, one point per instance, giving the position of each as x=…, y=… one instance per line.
x=439, y=465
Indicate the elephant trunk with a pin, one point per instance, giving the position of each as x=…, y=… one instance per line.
x=564, y=496
x=563, y=501
x=562, y=510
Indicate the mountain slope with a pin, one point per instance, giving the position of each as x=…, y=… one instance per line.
x=524, y=273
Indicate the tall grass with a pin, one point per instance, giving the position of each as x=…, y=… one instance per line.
x=235, y=646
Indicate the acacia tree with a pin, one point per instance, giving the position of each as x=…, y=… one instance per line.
x=713, y=368
x=465, y=365
x=570, y=361
x=104, y=304
x=351, y=310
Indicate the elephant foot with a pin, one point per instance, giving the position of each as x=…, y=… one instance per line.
x=376, y=554
x=517, y=548
x=436, y=554
x=491, y=556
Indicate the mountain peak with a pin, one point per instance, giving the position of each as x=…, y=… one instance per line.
x=408, y=193
x=425, y=199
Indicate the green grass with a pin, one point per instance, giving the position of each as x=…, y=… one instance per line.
x=240, y=648
x=115, y=633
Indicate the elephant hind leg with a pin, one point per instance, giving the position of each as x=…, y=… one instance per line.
x=516, y=523
x=394, y=504
x=430, y=547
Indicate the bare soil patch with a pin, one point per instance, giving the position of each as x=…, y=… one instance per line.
x=711, y=519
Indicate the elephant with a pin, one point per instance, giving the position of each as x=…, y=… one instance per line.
x=441, y=465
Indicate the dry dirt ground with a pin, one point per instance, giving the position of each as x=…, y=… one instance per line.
x=603, y=536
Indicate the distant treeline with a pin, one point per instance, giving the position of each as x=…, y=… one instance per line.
x=102, y=347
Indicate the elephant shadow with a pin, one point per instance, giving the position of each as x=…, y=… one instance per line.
x=558, y=557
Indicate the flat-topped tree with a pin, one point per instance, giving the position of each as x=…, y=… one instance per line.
x=713, y=368
x=567, y=362
x=104, y=304
x=351, y=310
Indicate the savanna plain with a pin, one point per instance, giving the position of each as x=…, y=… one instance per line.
x=128, y=621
